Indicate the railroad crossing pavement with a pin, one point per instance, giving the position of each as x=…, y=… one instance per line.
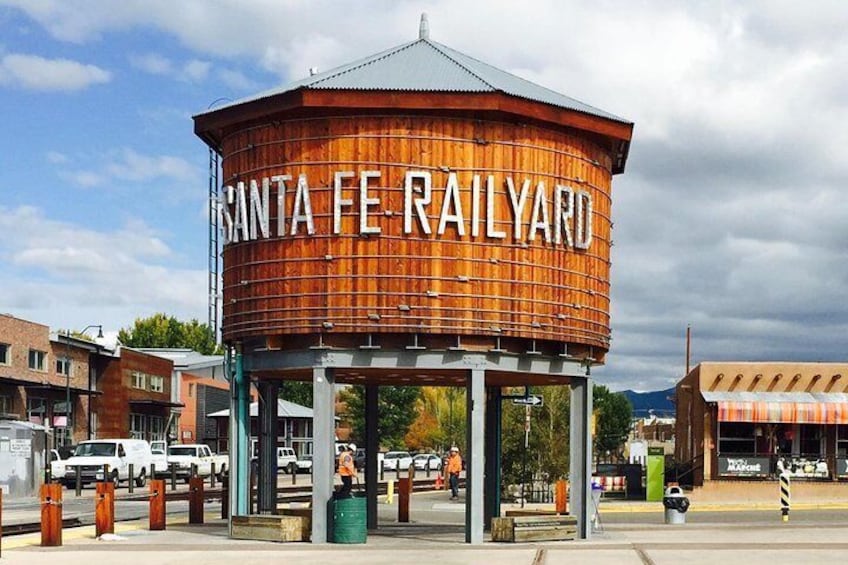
x=436, y=535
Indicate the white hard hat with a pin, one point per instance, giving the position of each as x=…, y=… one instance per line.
x=454, y=448
x=352, y=446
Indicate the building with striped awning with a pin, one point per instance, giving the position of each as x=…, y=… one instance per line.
x=756, y=419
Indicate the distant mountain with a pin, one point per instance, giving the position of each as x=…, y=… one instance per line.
x=660, y=401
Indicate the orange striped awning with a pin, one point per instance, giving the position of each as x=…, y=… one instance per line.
x=780, y=407
x=784, y=412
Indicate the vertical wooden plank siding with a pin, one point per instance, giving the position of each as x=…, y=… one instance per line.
x=451, y=284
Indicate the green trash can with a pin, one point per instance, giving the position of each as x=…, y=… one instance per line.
x=349, y=520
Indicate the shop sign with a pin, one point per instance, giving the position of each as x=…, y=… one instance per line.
x=842, y=468
x=743, y=466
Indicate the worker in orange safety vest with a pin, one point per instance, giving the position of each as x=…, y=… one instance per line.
x=453, y=469
x=347, y=470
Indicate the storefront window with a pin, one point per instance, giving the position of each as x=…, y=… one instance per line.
x=811, y=439
x=736, y=437
x=842, y=440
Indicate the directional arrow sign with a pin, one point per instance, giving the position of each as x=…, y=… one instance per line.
x=528, y=401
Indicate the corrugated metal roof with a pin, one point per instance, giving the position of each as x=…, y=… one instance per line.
x=797, y=397
x=184, y=359
x=285, y=409
x=427, y=66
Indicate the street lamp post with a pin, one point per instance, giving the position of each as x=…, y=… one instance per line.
x=68, y=374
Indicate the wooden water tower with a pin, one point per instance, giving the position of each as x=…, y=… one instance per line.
x=416, y=217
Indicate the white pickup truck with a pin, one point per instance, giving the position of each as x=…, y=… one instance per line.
x=183, y=456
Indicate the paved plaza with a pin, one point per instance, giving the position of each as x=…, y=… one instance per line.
x=627, y=533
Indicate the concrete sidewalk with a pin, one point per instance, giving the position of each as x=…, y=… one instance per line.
x=444, y=544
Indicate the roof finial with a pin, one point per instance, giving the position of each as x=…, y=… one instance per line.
x=424, y=28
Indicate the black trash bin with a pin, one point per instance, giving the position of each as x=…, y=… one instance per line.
x=676, y=505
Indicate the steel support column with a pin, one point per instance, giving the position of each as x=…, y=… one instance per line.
x=580, y=453
x=268, y=417
x=239, y=434
x=475, y=399
x=372, y=446
x=323, y=456
x=493, y=456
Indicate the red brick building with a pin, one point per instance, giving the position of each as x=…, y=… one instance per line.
x=136, y=396
x=39, y=372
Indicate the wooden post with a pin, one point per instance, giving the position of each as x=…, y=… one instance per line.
x=157, y=504
x=104, y=509
x=195, y=500
x=212, y=476
x=562, y=496
x=78, y=479
x=51, y=515
x=225, y=499
x=404, y=492
x=131, y=481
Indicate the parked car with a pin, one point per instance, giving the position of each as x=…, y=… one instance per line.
x=159, y=457
x=424, y=461
x=286, y=460
x=304, y=464
x=118, y=454
x=58, y=457
x=394, y=460
x=183, y=456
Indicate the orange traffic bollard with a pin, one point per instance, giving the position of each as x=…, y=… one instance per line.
x=404, y=494
x=195, y=500
x=562, y=496
x=51, y=514
x=157, y=504
x=104, y=509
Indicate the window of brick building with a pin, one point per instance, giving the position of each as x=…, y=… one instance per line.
x=63, y=366
x=5, y=354
x=139, y=380
x=157, y=383
x=37, y=360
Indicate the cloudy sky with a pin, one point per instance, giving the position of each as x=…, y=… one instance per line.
x=731, y=215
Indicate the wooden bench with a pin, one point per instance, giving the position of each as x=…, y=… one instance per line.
x=267, y=527
x=534, y=528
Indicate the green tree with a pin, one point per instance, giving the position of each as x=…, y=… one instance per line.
x=396, y=406
x=547, y=455
x=613, y=419
x=161, y=330
x=297, y=392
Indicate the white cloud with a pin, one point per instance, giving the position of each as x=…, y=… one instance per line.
x=128, y=165
x=195, y=70
x=32, y=72
x=152, y=63
x=237, y=80
x=115, y=275
x=57, y=158
x=133, y=166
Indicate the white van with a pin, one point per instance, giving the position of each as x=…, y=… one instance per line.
x=118, y=454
